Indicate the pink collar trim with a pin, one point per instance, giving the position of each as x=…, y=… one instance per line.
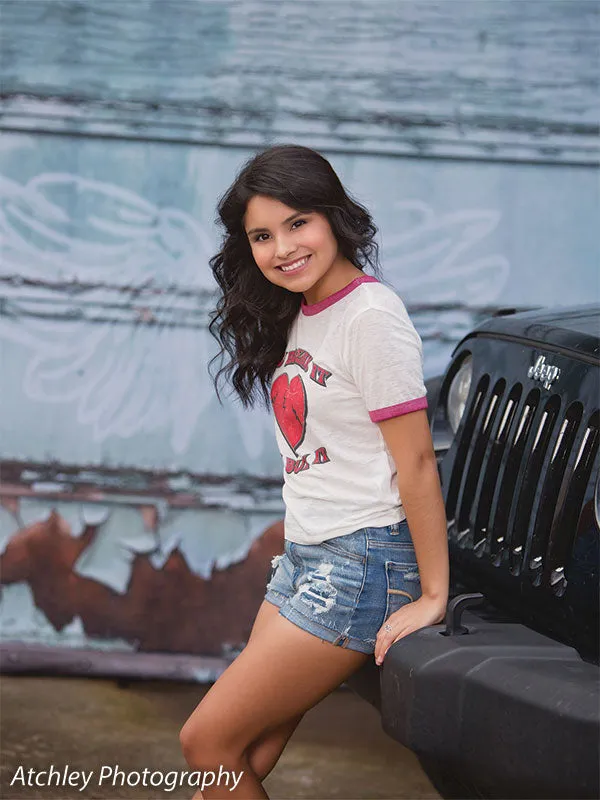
x=315, y=308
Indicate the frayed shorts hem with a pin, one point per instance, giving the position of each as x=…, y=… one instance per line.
x=310, y=626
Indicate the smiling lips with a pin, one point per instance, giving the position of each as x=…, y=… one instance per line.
x=295, y=266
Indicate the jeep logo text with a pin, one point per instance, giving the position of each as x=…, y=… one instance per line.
x=543, y=372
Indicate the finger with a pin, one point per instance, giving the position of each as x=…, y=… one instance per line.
x=382, y=646
x=382, y=640
x=392, y=640
x=382, y=635
x=387, y=628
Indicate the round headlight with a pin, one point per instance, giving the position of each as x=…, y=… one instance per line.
x=458, y=393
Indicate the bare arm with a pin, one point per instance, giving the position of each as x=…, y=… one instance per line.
x=409, y=442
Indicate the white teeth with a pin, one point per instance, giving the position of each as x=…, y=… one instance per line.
x=295, y=265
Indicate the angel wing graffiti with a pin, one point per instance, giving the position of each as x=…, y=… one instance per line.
x=110, y=294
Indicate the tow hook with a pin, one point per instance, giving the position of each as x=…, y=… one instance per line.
x=455, y=610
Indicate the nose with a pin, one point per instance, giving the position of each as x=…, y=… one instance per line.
x=285, y=247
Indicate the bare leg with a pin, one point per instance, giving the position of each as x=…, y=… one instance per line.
x=282, y=672
x=264, y=753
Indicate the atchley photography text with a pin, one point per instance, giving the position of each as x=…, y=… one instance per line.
x=110, y=775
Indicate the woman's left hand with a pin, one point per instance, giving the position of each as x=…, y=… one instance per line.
x=410, y=618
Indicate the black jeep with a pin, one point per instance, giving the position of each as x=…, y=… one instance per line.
x=502, y=701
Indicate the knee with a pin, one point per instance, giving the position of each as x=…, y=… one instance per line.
x=196, y=743
x=206, y=742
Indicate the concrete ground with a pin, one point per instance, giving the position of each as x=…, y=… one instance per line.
x=338, y=751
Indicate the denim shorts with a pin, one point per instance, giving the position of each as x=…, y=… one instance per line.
x=343, y=589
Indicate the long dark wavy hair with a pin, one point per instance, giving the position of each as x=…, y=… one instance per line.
x=253, y=316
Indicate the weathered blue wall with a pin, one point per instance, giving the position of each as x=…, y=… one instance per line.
x=470, y=129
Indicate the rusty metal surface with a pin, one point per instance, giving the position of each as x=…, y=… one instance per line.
x=171, y=610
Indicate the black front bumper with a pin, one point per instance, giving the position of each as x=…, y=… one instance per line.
x=511, y=713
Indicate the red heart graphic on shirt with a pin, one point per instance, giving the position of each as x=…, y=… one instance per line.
x=288, y=398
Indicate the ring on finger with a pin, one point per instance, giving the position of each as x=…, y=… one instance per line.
x=387, y=627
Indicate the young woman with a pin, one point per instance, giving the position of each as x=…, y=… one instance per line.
x=334, y=353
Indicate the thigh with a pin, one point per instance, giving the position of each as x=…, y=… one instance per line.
x=269, y=745
x=266, y=612
x=282, y=672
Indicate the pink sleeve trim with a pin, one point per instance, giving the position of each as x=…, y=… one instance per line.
x=396, y=411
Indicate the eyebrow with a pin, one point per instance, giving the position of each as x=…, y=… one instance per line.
x=285, y=221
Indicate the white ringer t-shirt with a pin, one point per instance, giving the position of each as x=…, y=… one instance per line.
x=352, y=360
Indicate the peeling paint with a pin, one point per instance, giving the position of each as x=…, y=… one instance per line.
x=94, y=513
x=149, y=614
x=21, y=620
x=33, y=510
x=109, y=558
x=205, y=675
x=43, y=488
x=8, y=527
x=122, y=531
x=190, y=533
x=137, y=485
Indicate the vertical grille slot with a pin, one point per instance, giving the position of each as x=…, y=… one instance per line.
x=570, y=501
x=482, y=438
x=472, y=417
x=496, y=449
x=500, y=511
x=547, y=503
x=531, y=477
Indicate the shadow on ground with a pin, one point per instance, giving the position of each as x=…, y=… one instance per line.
x=338, y=751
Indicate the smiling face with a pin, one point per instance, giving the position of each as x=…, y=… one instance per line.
x=296, y=250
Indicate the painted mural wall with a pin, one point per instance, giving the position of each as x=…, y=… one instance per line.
x=137, y=515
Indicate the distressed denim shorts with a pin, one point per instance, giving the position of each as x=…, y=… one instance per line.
x=343, y=589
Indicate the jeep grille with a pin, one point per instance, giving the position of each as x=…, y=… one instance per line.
x=516, y=475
